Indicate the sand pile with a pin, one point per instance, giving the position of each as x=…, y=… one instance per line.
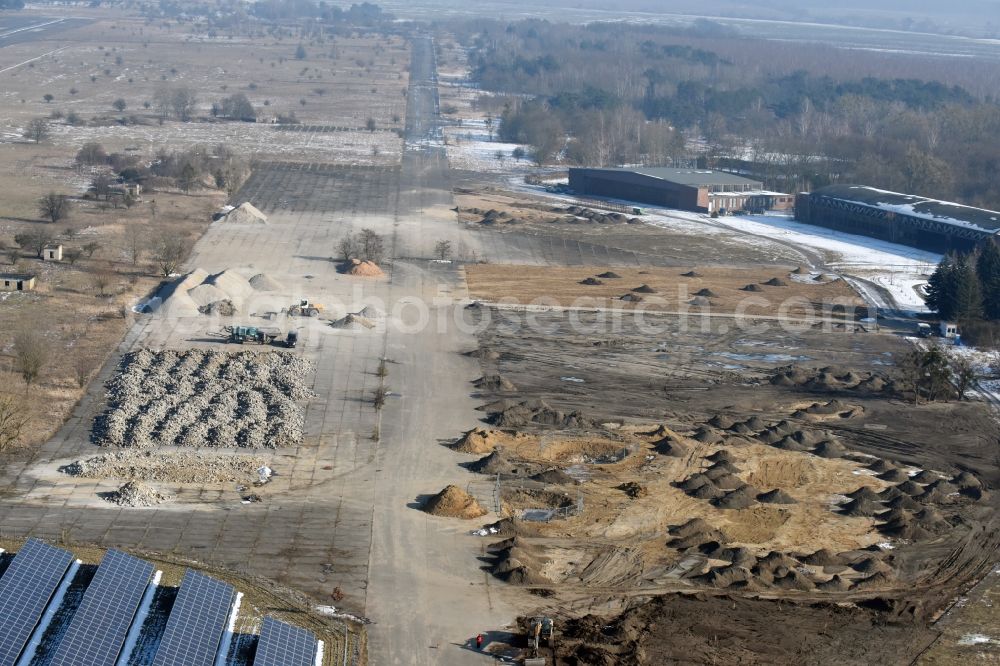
x=865, y=492
x=200, y=293
x=720, y=469
x=454, y=502
x=695, y=532
x=741, y=498
x=245, y=213
x=206, y=294
x=823, y=557
x=371, y=312
x=875, y=581
x=225, y=308
x=776, y=496
x=706, y=436
x=264, y=282
x=170, y=467
x=830, y=449
x=353, y=322
x=360, y=268
x=691, y=274
x=903, y=501
x=134, y=494
x=609, y=275
x=671, y=447
x=966, y=480
x=835, y=584
x=752, y=287
x=862, y=507
x=478, y=440
x=631, y=298
x=910, y=488
x=555, y=477
x=494, y=383
x=493, y=463
x=591, y=281
x=879, y=466
x=519, y=563
x=540, y=413
x=794, y=580
x=722, y=455
x=721, y=422
x=707, y=293
x=644, y=289
x=728, y=482
x=725, y=576
x=894, y=475
x=775, y=282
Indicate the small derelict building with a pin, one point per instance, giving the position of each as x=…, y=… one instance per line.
x=927, y=224
x=699, y=190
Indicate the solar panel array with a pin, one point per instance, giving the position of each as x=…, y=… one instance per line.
x=282, y=644
x=100, y=625
x=26, y=589
x=197, y=622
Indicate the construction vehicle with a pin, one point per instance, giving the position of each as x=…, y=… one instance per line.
x=541, y=627
x=260, y=335
x=291, y=339
x=305, y=308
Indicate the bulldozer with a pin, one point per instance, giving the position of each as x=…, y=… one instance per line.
x=305, y=308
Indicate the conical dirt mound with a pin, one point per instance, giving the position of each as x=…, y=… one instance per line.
x=454, y=502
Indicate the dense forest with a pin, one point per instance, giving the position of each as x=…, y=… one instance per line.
x=796, y=115
x=966, y=288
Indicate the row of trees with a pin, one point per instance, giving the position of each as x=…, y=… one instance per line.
x=966, y=287
x=802, y=115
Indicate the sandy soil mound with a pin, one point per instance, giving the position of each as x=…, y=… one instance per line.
x=894, y=475
x=903, y=501
x=494, y=383
x=245, y=213
x=371, y=312
x=706, y=436
x=591, y=281
x=741, y=498
x=835, y=584
x=520, y=564
x=794, y=580
x=862, y=507
x=752, y=287
x=700, y=301
x=454, y=502
x=691, y=274
x=134, y=494
x=631, y=298
x=707, y=293
x=865, y=492
x=360, y=268
x=494, y=463
x=775, y=282
x=609, y=275
x=725, y=576
x=722, y=455
x=540, y=413
x=721, y=421
x=830, y=449
x=966, y=480
x=478, y=440
x=634, y=490
x=671, y=447
x=910, y=488
x=353, y=322
x=776, y=496
x=720, y=469
x=644, y=289
x=694, y=482
x=822, y=558
x=555, y=477
x=264, y=282
x=728, y=482
x=879, y=466
x=206, y=294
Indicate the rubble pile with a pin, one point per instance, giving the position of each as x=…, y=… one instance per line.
x=205, y=398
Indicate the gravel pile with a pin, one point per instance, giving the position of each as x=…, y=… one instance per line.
x=167, y=467
x=134, y=493
x=204, y=398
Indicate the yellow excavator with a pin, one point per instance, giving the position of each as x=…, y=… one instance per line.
x=305, y=308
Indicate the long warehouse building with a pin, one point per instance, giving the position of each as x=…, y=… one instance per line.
x=927, y=224
x=699, y=190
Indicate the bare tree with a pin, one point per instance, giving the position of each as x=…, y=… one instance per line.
x=349, y=247
x=443, y=249
x=183, y=101
x=101, y=185
x=36, y=130
x=13, y=420
x=90, y=248
x=72, y=255
x=169, y=252
x=135, y=242
x=32, y=354
x=102, y=278
x=965, y=375
x=54, y=206
x=35, y=240
x=372, y=246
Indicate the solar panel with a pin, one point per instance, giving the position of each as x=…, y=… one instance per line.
x=282, y=644
x=98, y=629
x=26, y=589
x=197, y=622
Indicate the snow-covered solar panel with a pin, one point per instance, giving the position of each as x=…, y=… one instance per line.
x=196, y=623
x=26, y=589
x=100, y=625
x=282, y=644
